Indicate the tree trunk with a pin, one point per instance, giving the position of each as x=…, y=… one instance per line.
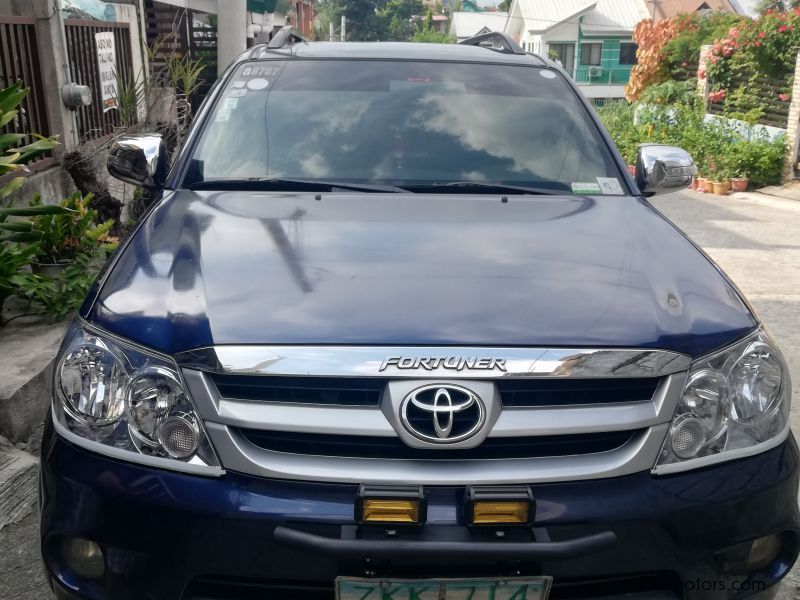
x=84, y=174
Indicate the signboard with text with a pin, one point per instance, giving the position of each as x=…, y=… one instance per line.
x=107, y=65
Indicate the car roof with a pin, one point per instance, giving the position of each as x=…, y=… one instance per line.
x=394, y=51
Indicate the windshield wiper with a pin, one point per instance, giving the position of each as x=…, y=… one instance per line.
x=484, y=187
x=300, y=185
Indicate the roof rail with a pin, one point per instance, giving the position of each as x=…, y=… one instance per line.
x=286, y=36
x=491, y=40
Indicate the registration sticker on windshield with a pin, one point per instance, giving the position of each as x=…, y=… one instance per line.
x=610, y=186
x=586, y=189
x=228, y=106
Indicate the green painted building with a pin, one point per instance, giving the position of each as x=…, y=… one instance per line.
x=592, y=39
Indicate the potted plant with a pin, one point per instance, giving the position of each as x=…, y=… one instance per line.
x=19, y=241
x=740, y=166
x=65, y=236
x=739, y=184
x=722, y=182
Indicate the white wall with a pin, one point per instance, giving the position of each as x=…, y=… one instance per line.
x=603, y=91
x=562, y=33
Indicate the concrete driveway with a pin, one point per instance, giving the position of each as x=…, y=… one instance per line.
x=756, y=239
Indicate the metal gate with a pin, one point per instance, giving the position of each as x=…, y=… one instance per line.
x=93, y=121
x=183, y=32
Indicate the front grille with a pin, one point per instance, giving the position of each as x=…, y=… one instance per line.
x=350, y=391
x=366, y=391
x=316, y=414
x=564, y=392
x=392, y=447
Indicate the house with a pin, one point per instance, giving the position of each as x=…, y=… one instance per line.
x=465, y=25
x=592, y=39
x=748, y=8
x=665, y=9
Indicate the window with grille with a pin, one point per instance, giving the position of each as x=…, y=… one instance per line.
x=565, y=54
x=591, y=53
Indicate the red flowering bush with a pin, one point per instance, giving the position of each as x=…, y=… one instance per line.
x=717, y=96
x=670, y=49
x=766, y=46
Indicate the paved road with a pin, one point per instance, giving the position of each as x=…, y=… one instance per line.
x=755, y=239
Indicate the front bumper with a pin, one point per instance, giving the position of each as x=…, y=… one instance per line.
x=168, y=535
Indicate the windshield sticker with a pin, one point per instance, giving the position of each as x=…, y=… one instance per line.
x=239, y=84
x=250, y=72
x=547, y=74
x=236, y=93
x=586, y=188
x=228, y=106
x=610, y=186
x=257, y=84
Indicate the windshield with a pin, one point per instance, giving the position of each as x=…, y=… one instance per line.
x=405, y=124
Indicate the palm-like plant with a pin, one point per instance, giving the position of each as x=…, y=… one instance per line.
x=18, y=238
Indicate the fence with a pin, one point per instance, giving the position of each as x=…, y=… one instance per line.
x=93, y=121
x=19, y=62
x=181, y=32
x=602, y=75
x=763, y=92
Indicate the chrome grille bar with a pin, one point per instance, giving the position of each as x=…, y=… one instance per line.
x=445, y=362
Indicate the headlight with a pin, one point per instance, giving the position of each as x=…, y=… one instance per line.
x=124, y=401
x=735, y=403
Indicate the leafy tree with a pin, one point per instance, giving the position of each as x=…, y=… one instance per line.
x=363, y=23
x=397, y=15
x=433, y=37
x=504, y=6
x=372, y=20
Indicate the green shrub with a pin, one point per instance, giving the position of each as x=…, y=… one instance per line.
x=761, y=160
x=618, y=118
x=670, y=113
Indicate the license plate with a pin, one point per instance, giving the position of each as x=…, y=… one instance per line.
x=512, y=588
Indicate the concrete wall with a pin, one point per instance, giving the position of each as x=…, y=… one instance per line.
x=790, y=169
x=52, y=184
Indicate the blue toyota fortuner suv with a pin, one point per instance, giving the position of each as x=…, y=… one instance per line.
x=401, y=325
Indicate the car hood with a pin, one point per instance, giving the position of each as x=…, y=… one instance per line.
x=212, y=268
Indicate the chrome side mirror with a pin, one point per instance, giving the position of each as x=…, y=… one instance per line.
x=663, y=169
x=139, y=159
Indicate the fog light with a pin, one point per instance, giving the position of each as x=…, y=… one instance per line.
x=178, y=436
x=390, y=511
x=688, y=437
x=499, y=505
x=499, y=513
x=763, y=552
x=83, y=557
x=394, y=505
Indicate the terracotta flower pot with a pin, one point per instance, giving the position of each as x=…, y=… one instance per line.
x=632, y=170
x=739, y=184
x=694, y=185
x=721, y=188
x=702, y=185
